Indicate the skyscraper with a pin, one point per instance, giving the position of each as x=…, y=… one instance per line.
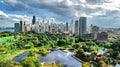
x=17, y=27
x=82, y=25
x=66, y=26
x=76, y=28
x=33, y=20
x=22, y=26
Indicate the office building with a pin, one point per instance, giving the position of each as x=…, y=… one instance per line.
x=28, y=27
x=103, y=36
x=88, y=36
x=21, y=26
x=76, y=28
x=24, y=27
x=94, y=29
x=33, y=20
x=17, y=27
x=82, y=25
x=37, y=26
x=66, y=26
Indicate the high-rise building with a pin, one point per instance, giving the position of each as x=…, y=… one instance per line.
x=28, y=27
x=76, y=28
x=82, y=25
x=37, y=26
x=22, y=26
x=66, y=26
x=17, y=27
x=33, y=20
x=46, y=25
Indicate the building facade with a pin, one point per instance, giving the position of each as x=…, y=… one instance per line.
x=21, y=26
x=103, y=36
x=94, y=29
x=33, y=20
x=17, y=27
x=76, y=28
x=66, y=26
x=82, y=25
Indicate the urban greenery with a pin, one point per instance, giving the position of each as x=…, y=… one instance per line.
x=13, y=44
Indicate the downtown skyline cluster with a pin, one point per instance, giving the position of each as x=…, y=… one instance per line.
x=43, y=25
x=78, y=28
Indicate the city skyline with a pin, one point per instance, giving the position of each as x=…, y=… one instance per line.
x=103, y=13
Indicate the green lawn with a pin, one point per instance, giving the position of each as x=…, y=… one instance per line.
x=8, y=54
x=7, y=41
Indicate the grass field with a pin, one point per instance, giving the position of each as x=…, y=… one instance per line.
x=8, y=41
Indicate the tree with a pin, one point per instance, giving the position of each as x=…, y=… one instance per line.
x=9, y=63
x=102, y=64
x=31, y=52
x=43, y=51
x=105, y=59
x=29, y=45
x=118, y=58
x=30, y=62
x=61, y=42
x=93, y=54
x=76, y=45
x=86, y=64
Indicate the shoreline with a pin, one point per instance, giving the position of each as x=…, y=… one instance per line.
x=11, y=57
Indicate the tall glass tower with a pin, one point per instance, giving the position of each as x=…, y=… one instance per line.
x=82, y=25
x=33, y=20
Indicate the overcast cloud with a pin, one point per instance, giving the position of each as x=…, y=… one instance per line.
x=106, y=11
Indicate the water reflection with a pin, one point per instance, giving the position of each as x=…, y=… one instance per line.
x=60, y=57
x=20, y=57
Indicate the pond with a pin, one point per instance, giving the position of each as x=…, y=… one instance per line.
x=60, y=57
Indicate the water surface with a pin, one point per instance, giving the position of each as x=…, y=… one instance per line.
x=60, y=57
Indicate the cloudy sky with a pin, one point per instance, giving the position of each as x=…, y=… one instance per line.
x=104, y=13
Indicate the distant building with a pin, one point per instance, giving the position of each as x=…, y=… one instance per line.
x=24, y=29
x=42, y=27
x=17, y=27
x=66, y=26
x=33, y=20
x=82, y=25
x=28, y=27
x=37, y=27
x=49, y=28
x=76, y=28
x=21, y=26
x=89, y=36
x=46, y=26
x=94, y=29
x=54, y=27
x=71, y=27
x=103, y=36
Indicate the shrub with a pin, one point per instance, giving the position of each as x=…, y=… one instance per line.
x=43, y=51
